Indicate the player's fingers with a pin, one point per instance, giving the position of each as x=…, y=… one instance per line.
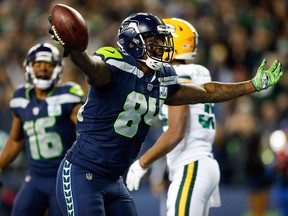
x=263, y=64
x=131, y=184
x=136, y=187
x=279, y=76
x=278, y=73
x=275, y=66
x=128, y=181
x=130, y=187
x=136, y=183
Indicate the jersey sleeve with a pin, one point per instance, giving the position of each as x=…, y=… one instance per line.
x=75, y=89
x=169, y=81
x=71, y=94
x=19, y=100
x=112, y=57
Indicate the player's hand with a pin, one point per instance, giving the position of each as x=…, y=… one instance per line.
x=134, y=175
x=55, y=37
x=266, y=78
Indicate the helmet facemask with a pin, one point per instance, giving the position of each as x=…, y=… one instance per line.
x=145, y=35
x=43, y=84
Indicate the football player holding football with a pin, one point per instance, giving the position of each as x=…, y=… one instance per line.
x=128, y=86
x=189, y=132
x=44, y=121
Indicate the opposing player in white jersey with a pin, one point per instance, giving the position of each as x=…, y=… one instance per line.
x=187, y=139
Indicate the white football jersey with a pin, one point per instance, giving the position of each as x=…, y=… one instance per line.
x=200, y=130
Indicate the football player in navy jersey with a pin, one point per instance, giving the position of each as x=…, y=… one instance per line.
x=189, y=132
x=128, y=86
x=44, y=119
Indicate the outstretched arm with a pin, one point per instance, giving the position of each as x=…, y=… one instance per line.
x=96, y=71
x=177, y=121
x=218, y=92
x=14, y=143
x=212, y=92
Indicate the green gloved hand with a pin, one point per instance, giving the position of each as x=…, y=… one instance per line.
x=57, y=39
x=266, y=78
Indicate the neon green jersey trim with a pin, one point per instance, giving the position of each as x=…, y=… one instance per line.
x=109, y=52
x=76, y=90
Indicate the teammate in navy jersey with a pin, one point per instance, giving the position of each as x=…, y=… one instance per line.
x=44, y=119
x=128, y=86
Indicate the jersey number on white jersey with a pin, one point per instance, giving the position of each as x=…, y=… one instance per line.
x=205, y=120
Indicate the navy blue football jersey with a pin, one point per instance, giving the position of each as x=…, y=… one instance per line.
x=48, y=130
x=115, y=119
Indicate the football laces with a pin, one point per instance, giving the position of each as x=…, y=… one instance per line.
x=57, y=36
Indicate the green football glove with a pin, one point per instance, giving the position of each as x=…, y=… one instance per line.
x=56, y=39
x=266, y=78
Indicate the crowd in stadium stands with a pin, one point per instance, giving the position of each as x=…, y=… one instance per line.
x=234, y=37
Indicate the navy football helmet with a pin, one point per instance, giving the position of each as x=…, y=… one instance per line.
x=43, y=52
x=136, y=28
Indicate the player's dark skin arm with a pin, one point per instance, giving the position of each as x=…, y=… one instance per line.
x=177, y=121
x=98, y=74
x=14, y=143
x=210, y=92
x=96, y=71
x=73, y=116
